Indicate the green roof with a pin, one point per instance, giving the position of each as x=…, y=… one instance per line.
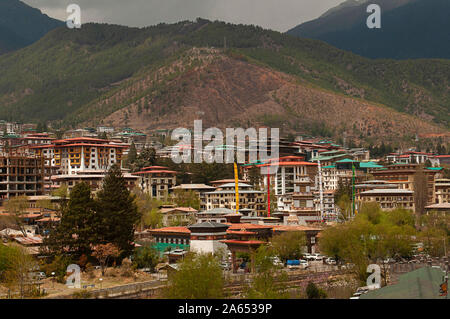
x=423, y=283
x=369, y=165
x=434, y=168
x=326, y=158
x=162, y=247
x=330, y=166
x=347, y=160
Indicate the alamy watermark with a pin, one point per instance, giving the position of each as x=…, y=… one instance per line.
x=236, y=145
x=74, y=19
x=374, y=20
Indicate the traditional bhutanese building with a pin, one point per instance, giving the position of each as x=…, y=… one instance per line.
x=206, y=237
x=157, y=181
x=294, y=186
x=403, y=174
x=225, y=197
x=388, y=199
x=442, y=190
x=78, y=154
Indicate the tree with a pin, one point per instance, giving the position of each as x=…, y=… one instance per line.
x=16, y=207
x=117, y=212
x=289, y=245
x=269, y=280
x=199, y=276
x=420, y=190
x=148, y=209
x=17, y=265
x=104, y=252
x=132, y=154
x=314, y=292
x=185, y=198
x=146, y=257
x=254, y=176
x=76, y=231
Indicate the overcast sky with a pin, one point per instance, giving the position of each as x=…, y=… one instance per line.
x=279, y=15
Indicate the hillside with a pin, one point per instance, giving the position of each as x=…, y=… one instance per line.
x=173, y=73
x=410, y=29
x=22, y=25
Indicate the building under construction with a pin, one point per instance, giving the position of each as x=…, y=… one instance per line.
x=20, y=174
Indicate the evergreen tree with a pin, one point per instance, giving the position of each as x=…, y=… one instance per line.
x=132, y=154
x=76, y=231
x=117, y=211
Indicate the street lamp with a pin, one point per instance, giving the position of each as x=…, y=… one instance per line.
x=53, y=279
x=101, y=280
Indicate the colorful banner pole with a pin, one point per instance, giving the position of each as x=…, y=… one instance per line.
x=268, y=192
x=236, y=187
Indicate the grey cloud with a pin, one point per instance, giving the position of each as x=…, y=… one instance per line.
x=279, y=15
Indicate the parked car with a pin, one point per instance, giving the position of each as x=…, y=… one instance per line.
x=293, y=264
x=303, y=264
x=225, y=266
x=309, y=257
x=276, y=261
x=330, y=261
x=318, y=257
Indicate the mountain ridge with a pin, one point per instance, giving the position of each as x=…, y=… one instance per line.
x=72, y=76
x=410, y=29
x=22, y=25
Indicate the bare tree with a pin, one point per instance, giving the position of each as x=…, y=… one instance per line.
x=420, y=190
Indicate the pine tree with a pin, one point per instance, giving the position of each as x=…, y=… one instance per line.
x=117, y=212
x=76, y=232
x=132, y=154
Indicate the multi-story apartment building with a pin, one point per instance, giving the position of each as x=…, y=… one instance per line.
x=403, y=174
x=442, y=191
x=157, y=181
x=225, y=197
x=388, y=198
x=75, y=155
x=21, y=175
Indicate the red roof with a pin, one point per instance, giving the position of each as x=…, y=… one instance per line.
x=302, y=163
x=242, y=242
x=240, y=232
x=74, y=139
x=91, y=145
x=244, y=226
x=153, y=172
x=179, y=229
x=43, y=146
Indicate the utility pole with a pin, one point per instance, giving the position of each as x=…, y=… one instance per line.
x=320, y=192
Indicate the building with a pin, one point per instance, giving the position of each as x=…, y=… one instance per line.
x=216, y=215
x=403, y=175
x=441, y=208
x=225, y=197
x=21, y=175
x=178, y=215
x=157, y=181
x=388, y=199
x=94, y=178
x=80, y=154
x=442, y=190
x=409, y=157
x=206, y=237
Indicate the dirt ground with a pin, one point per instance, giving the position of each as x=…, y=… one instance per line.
x=90, y=281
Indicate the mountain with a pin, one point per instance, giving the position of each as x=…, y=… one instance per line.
x=167, y=75
x=410, y=29
x=22, y=25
